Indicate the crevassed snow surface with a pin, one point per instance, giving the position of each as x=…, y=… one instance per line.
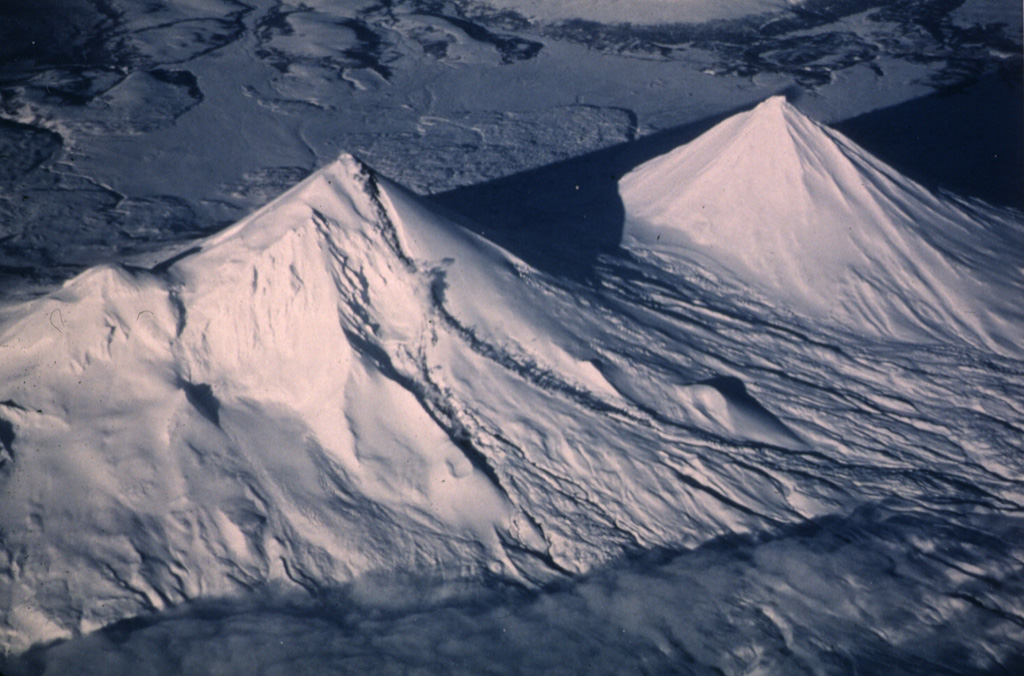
x=347, y=435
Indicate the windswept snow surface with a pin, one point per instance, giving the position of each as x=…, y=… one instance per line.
x=797, y=211
x=347, y=435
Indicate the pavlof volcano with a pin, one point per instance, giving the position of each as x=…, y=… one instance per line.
x=346, y=395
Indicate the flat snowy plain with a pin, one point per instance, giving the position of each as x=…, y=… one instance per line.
x=416, y=337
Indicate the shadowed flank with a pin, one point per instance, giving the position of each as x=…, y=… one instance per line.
x=559, y=217
x=969, y=142
x=597, y=620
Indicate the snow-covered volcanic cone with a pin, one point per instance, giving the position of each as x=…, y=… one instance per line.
x=342, y=386
x=796, y=210
x=346, y=395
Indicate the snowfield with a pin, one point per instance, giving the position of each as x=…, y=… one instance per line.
x=778, y=432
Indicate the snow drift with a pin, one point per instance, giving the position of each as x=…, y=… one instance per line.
x=800, y=213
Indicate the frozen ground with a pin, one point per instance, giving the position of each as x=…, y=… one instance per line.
x=642, y=12
x=349, y=435
x=128, y=125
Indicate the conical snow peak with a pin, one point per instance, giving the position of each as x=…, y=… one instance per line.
x=775, y=110
x=781, y=203
x=768, y=164
x=774, y=104
x=751, y=191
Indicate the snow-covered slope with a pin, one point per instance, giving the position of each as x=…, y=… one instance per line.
x=341, y=387
x=781, y=203
x=346, y=394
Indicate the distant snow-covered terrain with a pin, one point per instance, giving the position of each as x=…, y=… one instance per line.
x=347, y=434
x=127, y=126
x=641, y=11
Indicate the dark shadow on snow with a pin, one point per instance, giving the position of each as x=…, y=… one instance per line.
x=969, y=142
x=202, y=398
x=559, y=217
x=879, y=550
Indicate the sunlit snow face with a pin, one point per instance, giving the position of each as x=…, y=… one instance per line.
x=639, y=11
x=347, y=436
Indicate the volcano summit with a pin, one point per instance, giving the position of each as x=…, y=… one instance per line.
x=794, y=209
